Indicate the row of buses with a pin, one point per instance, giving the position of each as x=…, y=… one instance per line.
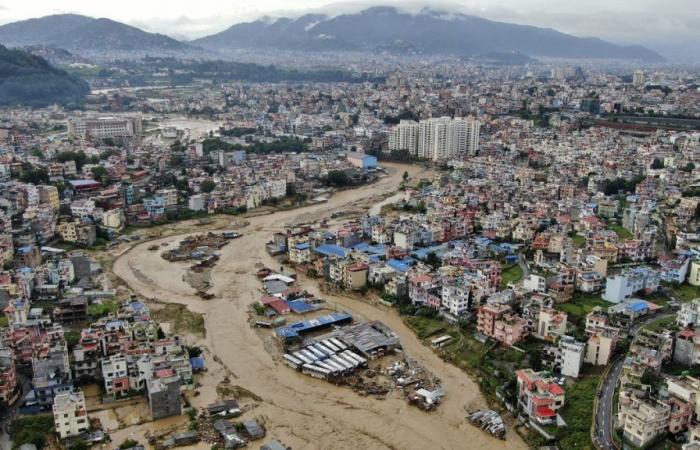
x=325, y=359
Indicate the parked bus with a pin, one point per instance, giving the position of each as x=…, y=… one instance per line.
x=342, y=362
x=309, y=355
x=294, y=363
x=331, y=345
x=338, y=343
x=322, y=349
x=316, y=352
x=349, y=359
x=441, y=341
x=302, y=358
x=360, y=360
x=315, y=371
x=335, y=365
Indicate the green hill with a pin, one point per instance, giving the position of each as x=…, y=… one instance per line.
x=29, y=80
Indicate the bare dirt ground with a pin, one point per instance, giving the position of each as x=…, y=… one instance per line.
x=302, y=412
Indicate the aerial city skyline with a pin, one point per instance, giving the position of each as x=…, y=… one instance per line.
x=378, y=225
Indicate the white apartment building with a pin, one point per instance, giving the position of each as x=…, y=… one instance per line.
x=405, y=137
x=196, y=202
x=82, y=208
x=638, y=78
x=69, y=414
x=455, y=299
x=105, y=127
x=114, y=374
x=688, y=314
x=570, y=356
x=623, y=286
x=437, y=139
x=535, y=283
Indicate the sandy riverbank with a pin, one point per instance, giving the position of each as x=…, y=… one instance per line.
x=303, y=412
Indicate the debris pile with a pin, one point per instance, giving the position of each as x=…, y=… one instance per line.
x=201, y=247
x=489, y=421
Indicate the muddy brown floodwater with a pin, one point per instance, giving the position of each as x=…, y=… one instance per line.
x=303, y=412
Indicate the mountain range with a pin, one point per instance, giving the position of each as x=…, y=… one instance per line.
x=87, y=36
x=374, y=29
x=428, y=32
x=28, y=79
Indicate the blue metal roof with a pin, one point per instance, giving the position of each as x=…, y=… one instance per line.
x=302, y=246
x=299, y=306
x=379, y=249
x=304, y=326
x=197, y=362
x=423, y=253
x=332, y=250
x=638, y=306
x=397, y=265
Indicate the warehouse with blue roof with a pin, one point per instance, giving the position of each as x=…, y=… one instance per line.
x=293, y=331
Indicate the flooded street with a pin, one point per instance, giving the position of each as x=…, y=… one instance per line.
x=303, y=412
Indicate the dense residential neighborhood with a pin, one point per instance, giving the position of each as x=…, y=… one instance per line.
x=523, y=239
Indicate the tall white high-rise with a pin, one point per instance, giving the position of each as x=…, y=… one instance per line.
x=437, y=139
x=405, y=137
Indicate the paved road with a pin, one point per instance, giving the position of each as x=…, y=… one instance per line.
x=604, y=414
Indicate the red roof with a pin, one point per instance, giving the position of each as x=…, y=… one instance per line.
x=164, y=373
x=687, y=333
x=555, y=389
x=266, y=300
x=280, y=307
x=543, y=411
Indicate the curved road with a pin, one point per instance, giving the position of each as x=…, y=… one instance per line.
x=604, y=415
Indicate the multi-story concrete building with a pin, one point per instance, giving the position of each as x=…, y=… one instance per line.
x=169, y=196
x=105, y=127
x=551, y=324
x=404, y=136
x=689, y=314
x=437, y=139
x=642, y=420
x=164, y=394
x=500, y=323
x=600, y=346
x=8, y=377
x=694, y=273
x=570, y=355
x=625, y=285
x=70, y=415
x=115, y=374
x=539, y=396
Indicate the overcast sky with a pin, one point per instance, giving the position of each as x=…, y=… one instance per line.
x=659, y=23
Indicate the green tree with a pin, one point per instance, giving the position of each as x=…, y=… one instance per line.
x=34, y=175
x=433, y=260
x=337, y=178
x=657, y=164
x=207, y=185
x=79, y=157
x=99, y=173
x=405, y=176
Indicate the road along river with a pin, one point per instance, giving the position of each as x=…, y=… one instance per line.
x=303, y=412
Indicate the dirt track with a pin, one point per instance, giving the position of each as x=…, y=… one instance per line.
x=303, y=412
